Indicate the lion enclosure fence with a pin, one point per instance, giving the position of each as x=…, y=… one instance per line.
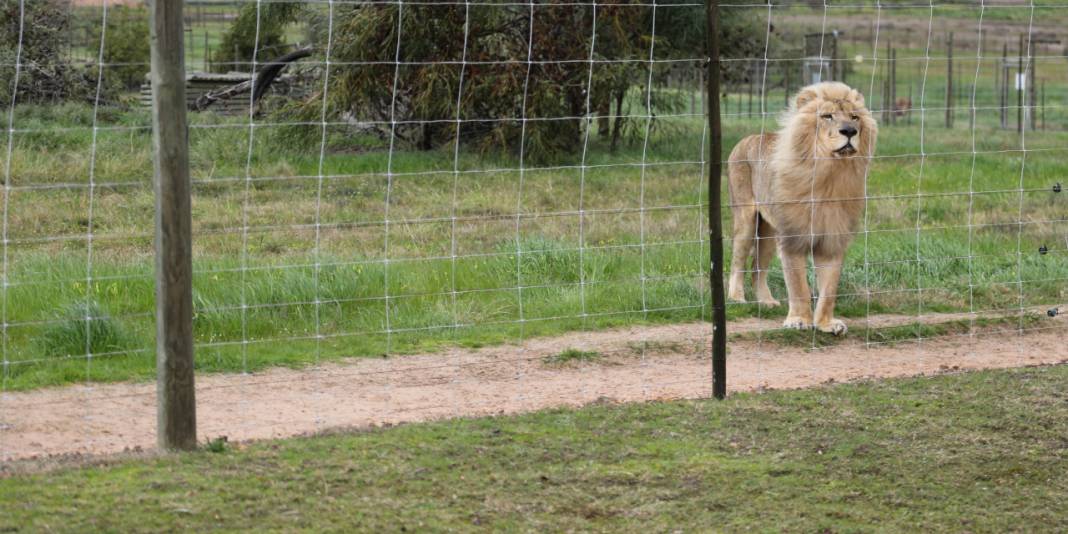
x=476, y=207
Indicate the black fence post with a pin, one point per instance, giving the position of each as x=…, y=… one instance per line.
x=1003, y=99
x=715, y=221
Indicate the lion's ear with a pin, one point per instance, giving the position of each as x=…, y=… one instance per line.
x=805, y=96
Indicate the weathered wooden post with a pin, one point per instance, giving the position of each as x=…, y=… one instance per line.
x=175, y=399
x=834, y=56
x=1003, y=94
x=949, y=81
x=1017, y=82
x=786, y=84
x=893, y=85
x=1043, y=104
x=1031, y=85
x=750, y=76
x=908, y=116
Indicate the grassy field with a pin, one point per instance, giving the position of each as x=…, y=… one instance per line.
x=977, y=452
x=602, y=246
x=296, y=263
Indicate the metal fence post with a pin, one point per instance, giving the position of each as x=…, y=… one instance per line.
x=715, y=221
x=175, y=399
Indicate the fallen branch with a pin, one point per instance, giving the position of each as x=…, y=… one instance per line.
x=267, y=74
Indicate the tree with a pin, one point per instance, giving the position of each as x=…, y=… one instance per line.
x=126, y=46
x=485, y=48
x=43, y=73
x=257, y=31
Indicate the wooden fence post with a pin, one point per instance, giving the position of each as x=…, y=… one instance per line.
x=1043, y=104
x=893, y=85
x=908, y=117
x=1019, y=78
x=949, y=81
x=175, y=399
x=715, y=217
x=749, y=106
x=1031, y=86
x=786, y=84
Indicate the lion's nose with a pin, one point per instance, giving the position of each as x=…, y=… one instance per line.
x=848, y=131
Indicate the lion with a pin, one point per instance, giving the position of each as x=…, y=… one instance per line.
x=802, y=191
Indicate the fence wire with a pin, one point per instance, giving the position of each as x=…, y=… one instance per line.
x=467, y=208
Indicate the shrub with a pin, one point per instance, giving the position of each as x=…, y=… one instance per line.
x=44, y=75
x=69, y=335
x=499, y=87
x=126, y=47
x=258, y=29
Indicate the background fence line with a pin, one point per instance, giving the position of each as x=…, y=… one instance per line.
x=446, y=177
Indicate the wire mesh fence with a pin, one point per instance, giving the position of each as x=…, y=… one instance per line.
x=405, y=210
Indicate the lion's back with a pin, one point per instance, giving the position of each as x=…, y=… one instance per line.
x=748, y=167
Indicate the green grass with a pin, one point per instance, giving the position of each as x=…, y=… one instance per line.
x=890, y=335
x=915, y=258
x=931, y=246
x=572, y=356
x=977, y=452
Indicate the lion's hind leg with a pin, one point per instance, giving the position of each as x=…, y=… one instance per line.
x=744, y=238
x=765, y=251
x=744, y=218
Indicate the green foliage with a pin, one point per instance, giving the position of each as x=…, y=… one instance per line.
x=499, y=87
x=126, y=46
x=82, y=327
x=217, y=445
x=571, y=356
x=257, y=32
x=44, y=76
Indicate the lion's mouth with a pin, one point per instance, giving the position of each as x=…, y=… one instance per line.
x=847, y=150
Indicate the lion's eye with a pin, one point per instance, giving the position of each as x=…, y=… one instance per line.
x=854, y=117
x=827, y=116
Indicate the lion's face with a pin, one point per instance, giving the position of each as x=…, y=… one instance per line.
x=835, y=116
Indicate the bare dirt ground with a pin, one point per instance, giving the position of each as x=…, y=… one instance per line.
x=633, y=364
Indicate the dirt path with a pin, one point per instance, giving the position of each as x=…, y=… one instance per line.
x=110, y=418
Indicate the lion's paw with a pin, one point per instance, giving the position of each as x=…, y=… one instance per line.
x=796, y=323
x=834, y=326
x=736, y=294
x=769, y=302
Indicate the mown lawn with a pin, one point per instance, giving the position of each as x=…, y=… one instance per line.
x=975, y=452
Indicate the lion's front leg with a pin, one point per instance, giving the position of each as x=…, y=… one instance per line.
x=828, y=271
x=795, y=270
